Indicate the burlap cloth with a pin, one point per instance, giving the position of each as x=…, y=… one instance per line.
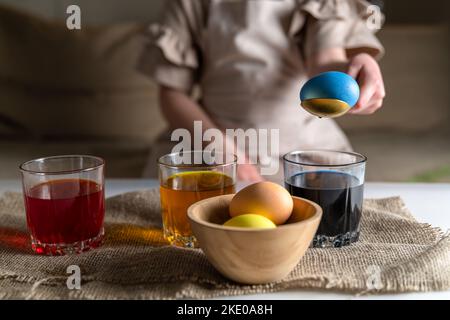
x=395, y=254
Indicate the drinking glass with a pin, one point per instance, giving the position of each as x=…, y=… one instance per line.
x=188, y=177
x=335, y=181
x=64, y=203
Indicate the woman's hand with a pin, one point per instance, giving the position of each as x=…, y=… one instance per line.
x=367, y=73
x=363, y=67
x=248, y=173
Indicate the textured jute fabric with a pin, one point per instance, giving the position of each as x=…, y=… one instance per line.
x=395, y=254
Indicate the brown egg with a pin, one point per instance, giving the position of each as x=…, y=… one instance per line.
x=267, y=199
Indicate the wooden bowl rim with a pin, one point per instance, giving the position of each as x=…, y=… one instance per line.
x=316, y=216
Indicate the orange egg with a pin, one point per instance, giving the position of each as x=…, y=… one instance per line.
x=267, y=199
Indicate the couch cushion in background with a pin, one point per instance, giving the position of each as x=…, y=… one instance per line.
x=83, y=83
x=124, y=159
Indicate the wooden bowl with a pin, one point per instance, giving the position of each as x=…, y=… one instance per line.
x=253, y=256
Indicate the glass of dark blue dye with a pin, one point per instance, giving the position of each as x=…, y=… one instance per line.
x=335, y=181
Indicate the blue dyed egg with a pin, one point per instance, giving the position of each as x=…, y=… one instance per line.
x=331, y=85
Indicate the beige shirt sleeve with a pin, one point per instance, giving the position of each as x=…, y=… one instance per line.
x=171, y=56
x=339, y=24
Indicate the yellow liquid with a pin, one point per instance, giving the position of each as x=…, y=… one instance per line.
x=179, y=192
x=326, y=108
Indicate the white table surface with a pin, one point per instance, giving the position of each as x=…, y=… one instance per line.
x=427, y=202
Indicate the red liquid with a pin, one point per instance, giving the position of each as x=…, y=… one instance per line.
x=65, y=211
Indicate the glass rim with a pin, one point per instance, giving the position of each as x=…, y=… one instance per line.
x=362, y=160
x=182, y=165
x=62, y=172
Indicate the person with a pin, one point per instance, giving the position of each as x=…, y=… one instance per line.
x=248, y=60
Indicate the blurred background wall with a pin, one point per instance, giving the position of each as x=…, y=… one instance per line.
x=78, y=92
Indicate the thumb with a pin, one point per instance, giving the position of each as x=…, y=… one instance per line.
x=353, y=69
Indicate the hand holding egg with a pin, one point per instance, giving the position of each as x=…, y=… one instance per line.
x=372, y=92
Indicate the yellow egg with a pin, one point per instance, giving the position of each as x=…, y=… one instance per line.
x=267, y=199
x=250, y=221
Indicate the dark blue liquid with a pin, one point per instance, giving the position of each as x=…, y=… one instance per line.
x=339, y=194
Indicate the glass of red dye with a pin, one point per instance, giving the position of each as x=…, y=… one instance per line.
x=64, y=202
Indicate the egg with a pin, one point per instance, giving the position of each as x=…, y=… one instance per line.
x=267, y=199
x=329, y=94
x=331, y=85
x=250, y=221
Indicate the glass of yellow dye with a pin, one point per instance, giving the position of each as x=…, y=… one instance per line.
x=188, y=177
